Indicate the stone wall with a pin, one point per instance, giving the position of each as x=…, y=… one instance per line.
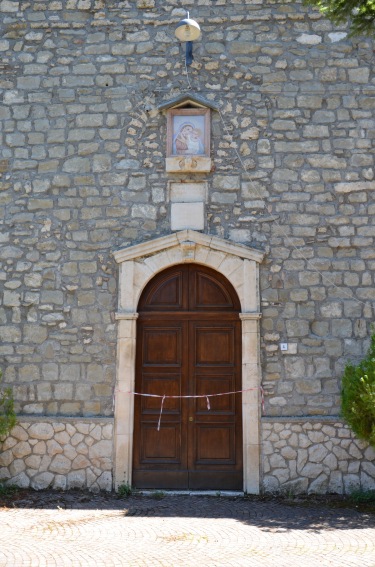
x=314, y=456
x=59, y=453
x=82, y=172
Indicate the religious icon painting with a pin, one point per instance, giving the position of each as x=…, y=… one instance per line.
x=188, y=139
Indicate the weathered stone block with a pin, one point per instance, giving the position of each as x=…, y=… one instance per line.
x=309, y=39
x=63, y=391
x=10, y=334
x=60, y=465
x=77, y=165
x=359, y=75
x=6, y=457
x=297, y=328
x=308, y=386
x=21, y=450
x=70, y=372
x=41, y=431
x=11, y=298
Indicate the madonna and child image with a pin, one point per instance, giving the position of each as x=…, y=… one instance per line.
x=188, y=135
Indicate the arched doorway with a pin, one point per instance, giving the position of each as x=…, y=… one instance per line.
x=138, y=265
x=188, y=343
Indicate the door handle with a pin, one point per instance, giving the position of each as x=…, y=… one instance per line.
x=191, y=419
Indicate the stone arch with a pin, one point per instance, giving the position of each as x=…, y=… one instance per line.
x=138, y=265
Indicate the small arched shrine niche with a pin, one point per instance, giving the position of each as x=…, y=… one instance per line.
x=188, y=134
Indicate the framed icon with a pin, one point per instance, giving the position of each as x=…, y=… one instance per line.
x=188, y=132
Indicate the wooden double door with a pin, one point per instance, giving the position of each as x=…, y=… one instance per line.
x=188, y=344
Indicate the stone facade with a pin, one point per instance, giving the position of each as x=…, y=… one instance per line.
x=82, y=173
x=60, y=454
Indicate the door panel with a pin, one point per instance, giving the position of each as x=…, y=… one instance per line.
x=209, y=293
x=215, y=443
x=160, y=446
x=188, y=343
x=161, y=364
x=220, y=480
x=214, y=385
x=165, y=478
x=168, y=291
x=162, y=346
x=158, y=385
x=214, y=345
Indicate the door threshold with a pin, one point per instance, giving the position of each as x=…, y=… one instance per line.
x=221, y=493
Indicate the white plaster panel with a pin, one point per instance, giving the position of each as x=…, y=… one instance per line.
x=188, y=192
x=187, y=215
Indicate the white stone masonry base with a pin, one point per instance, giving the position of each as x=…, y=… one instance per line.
x=60, y=453
x=314, y=455
x=299, y=455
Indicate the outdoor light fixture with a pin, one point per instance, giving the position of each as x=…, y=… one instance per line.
x=188, y=30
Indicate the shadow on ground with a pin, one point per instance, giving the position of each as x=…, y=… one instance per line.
x=266, y=513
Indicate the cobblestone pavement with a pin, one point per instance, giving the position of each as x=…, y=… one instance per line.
x=62, y=530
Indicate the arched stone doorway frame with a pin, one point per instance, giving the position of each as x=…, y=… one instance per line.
x=138, y=265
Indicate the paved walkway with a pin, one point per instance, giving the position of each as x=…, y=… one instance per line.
x=198, y=531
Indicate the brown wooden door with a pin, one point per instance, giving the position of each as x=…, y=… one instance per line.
x=188, y=343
